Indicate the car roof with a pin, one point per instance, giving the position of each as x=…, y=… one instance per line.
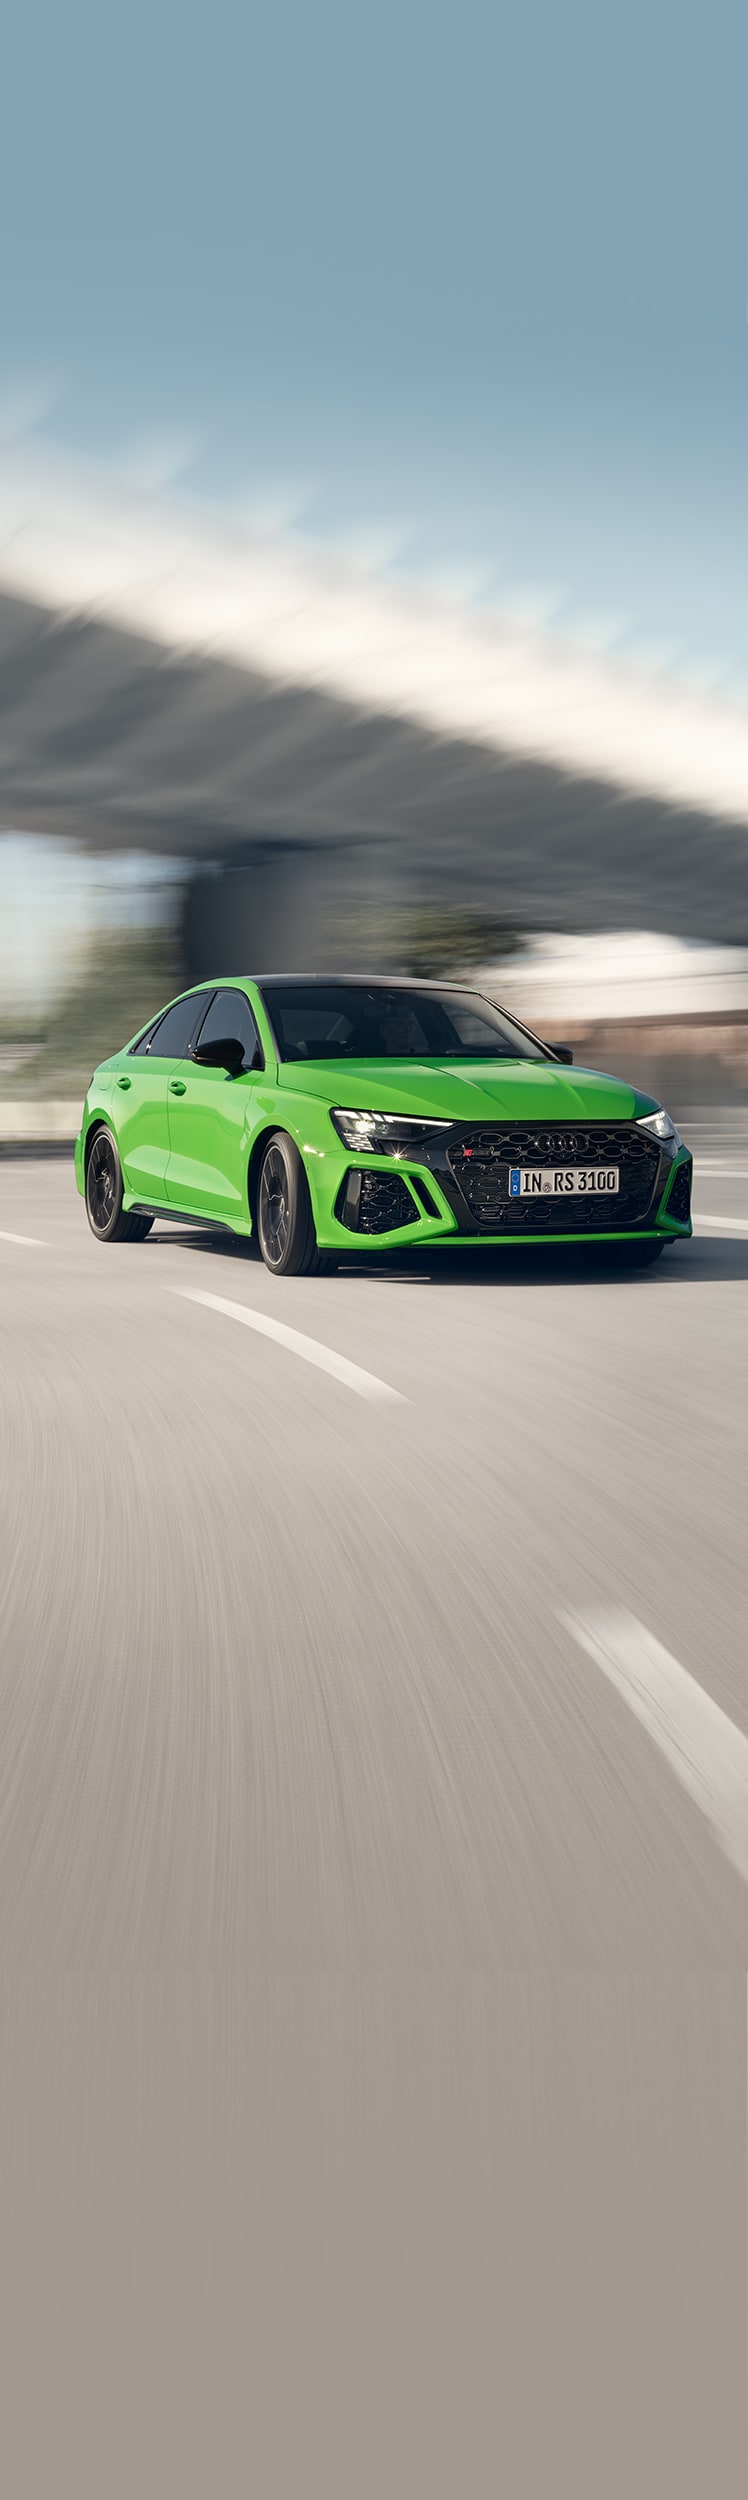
x=353, y=980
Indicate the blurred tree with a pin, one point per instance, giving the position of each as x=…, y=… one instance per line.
x=439, y=941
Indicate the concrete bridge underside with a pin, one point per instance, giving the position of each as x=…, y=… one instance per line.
x=293, y=807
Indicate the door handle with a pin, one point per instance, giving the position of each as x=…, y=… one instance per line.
x=177, y=1085
x=124, y=1081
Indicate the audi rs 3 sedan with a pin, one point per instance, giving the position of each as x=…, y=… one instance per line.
x=321, y=1116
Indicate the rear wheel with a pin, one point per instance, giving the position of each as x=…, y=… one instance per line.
x=285, y=1223
x=105, y=1191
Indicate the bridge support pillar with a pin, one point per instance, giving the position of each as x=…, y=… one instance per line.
x=265, y=911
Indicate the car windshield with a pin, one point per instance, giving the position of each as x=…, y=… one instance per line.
x=359, y=1020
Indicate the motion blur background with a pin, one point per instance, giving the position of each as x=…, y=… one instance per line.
x=373, y=520
x=373, y=550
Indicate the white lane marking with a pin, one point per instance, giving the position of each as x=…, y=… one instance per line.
x=708, y=1754
x=721, y=1223
x=365, y=1384
x=25, y=1241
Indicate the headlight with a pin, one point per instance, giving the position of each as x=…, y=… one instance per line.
x=381, y=1132
x=660, y=1125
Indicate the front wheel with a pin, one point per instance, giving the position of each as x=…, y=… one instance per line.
x=105, y=1191
x=285, y=1223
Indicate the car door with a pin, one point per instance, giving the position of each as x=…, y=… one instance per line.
x=208, y=1128
x=140, y=1099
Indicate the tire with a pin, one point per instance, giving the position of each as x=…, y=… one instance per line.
x=105, y=1191
x=285, y=1223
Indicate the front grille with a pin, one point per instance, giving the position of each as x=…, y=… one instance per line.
x=679, y=1202
x=376, y=1202
x=482, y=1159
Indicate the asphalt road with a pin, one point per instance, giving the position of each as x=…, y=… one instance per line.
x=292, y=1668
x=394, y=1664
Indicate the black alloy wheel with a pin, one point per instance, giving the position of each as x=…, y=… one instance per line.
x=105, y=1191
x=285, y=1223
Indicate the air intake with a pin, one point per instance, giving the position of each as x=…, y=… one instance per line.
x=375, y=1202
x=678, y=1205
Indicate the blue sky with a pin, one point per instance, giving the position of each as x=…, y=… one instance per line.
x=467, y=282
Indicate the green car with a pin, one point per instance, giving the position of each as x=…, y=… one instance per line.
x=322, y=1116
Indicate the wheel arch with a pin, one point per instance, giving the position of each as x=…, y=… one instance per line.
x=259, y=1143
x=97, y=1120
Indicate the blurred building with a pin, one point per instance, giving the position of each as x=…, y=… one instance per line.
x=620, y=975
x=669, y=1012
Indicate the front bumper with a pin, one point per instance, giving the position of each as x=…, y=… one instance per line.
x=381, y=1202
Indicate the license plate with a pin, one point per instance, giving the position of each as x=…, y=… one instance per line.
x=597, y=1181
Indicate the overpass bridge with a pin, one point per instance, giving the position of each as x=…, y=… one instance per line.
x=292, y=804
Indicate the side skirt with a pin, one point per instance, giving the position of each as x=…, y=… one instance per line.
x=181, y=1215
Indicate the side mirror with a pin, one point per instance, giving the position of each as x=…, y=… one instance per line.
x=227, y=1053
x=561, y=1051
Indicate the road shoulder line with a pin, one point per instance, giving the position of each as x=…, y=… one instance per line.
x=720, y=1223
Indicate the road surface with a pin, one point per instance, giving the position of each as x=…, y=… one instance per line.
x=306, y=1667
x=373, y=1653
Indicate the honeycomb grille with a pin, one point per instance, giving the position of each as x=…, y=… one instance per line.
x=376, y=1202
x=679, y=1201
x=481, y=1163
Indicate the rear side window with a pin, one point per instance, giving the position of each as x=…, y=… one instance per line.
x=173, y=1035
x=138, y=1049
x=230, y=1018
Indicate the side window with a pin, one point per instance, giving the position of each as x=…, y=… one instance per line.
x=230, y=1018
x=477, y=1033
x=138, y=1049
x=173, y=1035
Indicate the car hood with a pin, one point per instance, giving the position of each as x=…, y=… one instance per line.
x=514, y=1089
